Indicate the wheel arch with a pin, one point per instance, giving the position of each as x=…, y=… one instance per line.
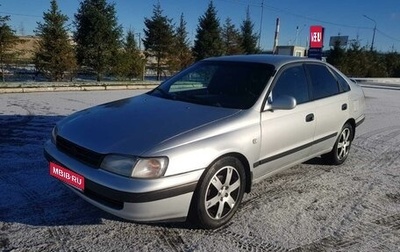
x=244, y=162
x=248, y=178
x=352, y=122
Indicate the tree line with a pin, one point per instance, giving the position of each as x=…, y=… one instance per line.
x=98, y=45
x=358, y=61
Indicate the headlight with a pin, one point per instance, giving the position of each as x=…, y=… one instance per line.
x=135, y=167
x=150, y=167
x=122, y=165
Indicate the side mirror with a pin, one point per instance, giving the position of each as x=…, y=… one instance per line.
x=284, y=102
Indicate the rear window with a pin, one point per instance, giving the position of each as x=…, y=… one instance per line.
x=324, y=83
x=343, y=85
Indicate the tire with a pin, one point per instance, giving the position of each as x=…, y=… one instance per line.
x=341, y=149
x=219, y=193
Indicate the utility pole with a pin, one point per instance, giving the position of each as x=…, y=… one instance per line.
x=276, y=37
x=373, y=35
x=261, y=21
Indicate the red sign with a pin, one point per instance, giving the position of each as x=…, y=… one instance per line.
x=67, y=176
x=316, y=36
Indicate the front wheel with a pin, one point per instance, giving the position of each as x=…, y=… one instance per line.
x=219, y=193
x=341, y=149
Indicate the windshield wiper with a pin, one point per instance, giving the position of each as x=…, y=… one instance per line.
x=186, y=98
x=164, y=93
x=199, y=100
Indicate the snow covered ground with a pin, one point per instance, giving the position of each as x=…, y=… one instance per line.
x=311, y=207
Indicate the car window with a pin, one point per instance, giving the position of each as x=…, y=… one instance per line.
x=343, y=85
x=218, y=83
x=292, y=82
x=238, y=80
x=324, y=84
x=197, y=79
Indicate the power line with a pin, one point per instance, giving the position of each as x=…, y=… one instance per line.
x=18, y=14
x=314, y=19
x=387, y=36
x=242, y=2
x=270, y=7
x=286, y=11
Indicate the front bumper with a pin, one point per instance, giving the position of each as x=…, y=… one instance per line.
x=142, y=200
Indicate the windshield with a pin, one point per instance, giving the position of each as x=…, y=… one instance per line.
x=215, y=83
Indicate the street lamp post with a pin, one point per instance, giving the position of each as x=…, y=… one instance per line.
x=139, y=40
x=373, y=35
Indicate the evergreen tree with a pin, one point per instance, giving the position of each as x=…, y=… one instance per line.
x=392, y=61
x=7, y=41
x=181, y=56
x=158, y=38
x=55, y=54
x=355, y=61
x=97, y=35
x=130, y=61
x=376, y=64
x=208, y=40
x=231, y=38
x=249, y=38
x=337, y=56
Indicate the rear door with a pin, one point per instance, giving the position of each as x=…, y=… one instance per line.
x=287, y=135
x=331, y=105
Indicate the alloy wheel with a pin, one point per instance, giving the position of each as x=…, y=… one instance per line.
x=343, y=146
x=223, y=192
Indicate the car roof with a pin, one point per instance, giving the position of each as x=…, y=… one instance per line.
x=275, y=60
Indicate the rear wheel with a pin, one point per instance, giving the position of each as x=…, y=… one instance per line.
x=341, y=149
x=219, y=193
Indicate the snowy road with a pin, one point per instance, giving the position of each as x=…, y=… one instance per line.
x=311, y=207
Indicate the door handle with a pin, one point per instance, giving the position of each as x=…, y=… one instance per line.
x=344, y=106
x=310, y=117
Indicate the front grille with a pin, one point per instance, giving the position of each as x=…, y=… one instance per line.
x=82, y=154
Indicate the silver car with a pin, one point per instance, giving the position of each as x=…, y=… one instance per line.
x=195, y=144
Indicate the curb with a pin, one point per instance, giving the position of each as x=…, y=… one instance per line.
x=7, y=90
x=378, y=81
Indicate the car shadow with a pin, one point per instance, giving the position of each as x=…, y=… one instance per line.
x=29, y=195
x=315, y=161
x=321, y=164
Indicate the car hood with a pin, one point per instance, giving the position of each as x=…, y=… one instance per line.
x=134, y=125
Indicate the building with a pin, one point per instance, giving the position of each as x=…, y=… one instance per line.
x=25, y=47
x=297, y=51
